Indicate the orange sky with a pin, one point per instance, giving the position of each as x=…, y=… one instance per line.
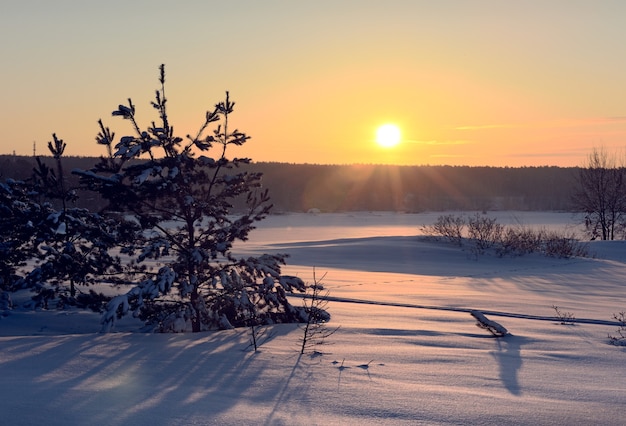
x=468, y=82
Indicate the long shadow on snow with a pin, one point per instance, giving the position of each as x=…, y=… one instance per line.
x=510, y=361
x=507, y=353
x=415, y=255
x=118, y=378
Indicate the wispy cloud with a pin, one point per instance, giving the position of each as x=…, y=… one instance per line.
x=436, y=142
x=546, y=154
x=451, y=156
x=595, y=121
x=488, y=126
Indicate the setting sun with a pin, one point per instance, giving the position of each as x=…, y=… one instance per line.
x=388, y=135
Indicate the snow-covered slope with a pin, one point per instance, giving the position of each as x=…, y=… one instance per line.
x=407, y=351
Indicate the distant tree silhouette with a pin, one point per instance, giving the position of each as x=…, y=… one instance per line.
x=601, y=195
x=336, y=188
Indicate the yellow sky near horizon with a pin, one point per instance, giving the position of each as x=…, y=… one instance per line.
x=480, y=82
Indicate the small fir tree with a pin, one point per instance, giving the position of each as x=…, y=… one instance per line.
x=46, y=242
x=181, y=194
x=18, y=218
x=76, y=245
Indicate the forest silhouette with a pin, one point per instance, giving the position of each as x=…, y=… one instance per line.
x=340, y=188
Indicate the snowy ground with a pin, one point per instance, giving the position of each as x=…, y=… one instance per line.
x=407, y=351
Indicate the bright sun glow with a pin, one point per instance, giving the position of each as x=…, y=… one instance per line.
x=388, y=135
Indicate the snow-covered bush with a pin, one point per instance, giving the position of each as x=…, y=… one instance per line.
x=181, y=192
x=18, y=216
x=47, y=245
x=55, y=245
x=5, y=301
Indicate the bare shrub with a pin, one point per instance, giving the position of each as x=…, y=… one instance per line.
x=565, y=318
x=519, y=241
x=620, y=338
x=485, y=232
x=314, y=329
x=449, y=227
x=563, y=246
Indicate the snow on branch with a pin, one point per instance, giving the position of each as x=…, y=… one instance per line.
x=489, y=325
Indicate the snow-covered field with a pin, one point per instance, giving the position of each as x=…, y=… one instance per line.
x=407, y=351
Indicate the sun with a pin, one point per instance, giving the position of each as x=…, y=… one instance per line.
x=388, y=135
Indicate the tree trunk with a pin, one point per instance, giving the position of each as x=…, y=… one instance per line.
x=195, y=318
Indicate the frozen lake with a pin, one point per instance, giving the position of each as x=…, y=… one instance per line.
x=293, y=227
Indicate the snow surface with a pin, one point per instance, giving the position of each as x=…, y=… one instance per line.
x=407, y=350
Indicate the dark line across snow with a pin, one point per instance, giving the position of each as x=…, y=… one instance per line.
x=468, y=310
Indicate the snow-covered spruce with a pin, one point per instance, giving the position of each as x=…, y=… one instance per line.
x=47, y=245
x=185, y=275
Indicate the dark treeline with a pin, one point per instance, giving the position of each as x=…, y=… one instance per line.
x=333, y=188
x=298, y=187
x=21, y=168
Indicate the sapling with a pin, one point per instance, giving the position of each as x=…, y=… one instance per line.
x=258, y=331
x=620, y=338
x=314, y=329
x=565, y=318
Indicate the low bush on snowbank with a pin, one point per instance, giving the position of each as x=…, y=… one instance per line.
x=480, y=233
